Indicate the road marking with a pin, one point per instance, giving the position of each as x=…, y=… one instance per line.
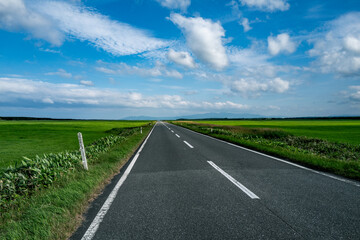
x=172, y=131
x=281, y=160
x=234, y=181
x=188, y=144
x=177, y=135
x=90, y=232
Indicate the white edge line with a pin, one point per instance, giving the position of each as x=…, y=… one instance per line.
x=281, y=160
x=188, y=144
x=90, y=232
x=234, y=181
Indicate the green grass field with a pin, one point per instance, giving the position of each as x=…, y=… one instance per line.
x=345, y=131
x=30, y=138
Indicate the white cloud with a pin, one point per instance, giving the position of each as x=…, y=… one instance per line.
x=355, y=95
x=237, y=14
x=204, y=38
x=49, y=50
x=61, y=73
x=251, y=63
x=78, y=77
x=158, y=70
x=249, y=86
x=235, y=8
x=156, y=55
x=226, y=105
x=280, y=44
x=38, y=91
x=175, y=4
x=87, y=25
x=53, y=20
x=48, y=100
x=357, y=88
x=172, y=73
x=338, y=48
x=278, y=85
x=267, y=5
x=246, y=25
x=181, y=58
x=272, y=107
x=191, y=92
x=172, y=87
x=247, y=57
x=254, y=74
x=86, y=83
x=251, y=80
x=105, y=70
x=155, y=80
x=352, y=44
x=70, y=94
x=16, y=16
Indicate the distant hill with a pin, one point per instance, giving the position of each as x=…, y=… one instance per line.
x=220, y=116
x=197, y=116
x=235, y=116
x=32, y=118
x=146, y=118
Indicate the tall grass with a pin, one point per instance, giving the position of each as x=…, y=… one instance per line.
x=41, y=171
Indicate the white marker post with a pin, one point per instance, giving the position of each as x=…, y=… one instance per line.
x=82, y=150
x=141, y=130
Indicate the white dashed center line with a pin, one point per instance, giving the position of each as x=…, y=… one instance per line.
x=177, y=135
x=188, y=144
x=234, y=181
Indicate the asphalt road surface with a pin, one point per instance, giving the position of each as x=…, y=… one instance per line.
x=184, y=185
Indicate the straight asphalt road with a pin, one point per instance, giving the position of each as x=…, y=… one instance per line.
x=184, y=185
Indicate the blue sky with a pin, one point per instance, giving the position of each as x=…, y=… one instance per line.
x=110, y=59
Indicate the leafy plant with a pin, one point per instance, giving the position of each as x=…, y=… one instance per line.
x=31, y=174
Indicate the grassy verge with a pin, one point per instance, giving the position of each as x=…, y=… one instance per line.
x=55, y=212
x=338, y=158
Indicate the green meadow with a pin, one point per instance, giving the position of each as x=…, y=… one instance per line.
x=344, y=131
x=35, y=137
x=328, y=145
